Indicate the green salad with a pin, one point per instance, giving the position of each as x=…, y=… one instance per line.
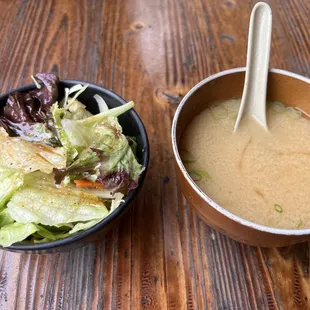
x=62, y=169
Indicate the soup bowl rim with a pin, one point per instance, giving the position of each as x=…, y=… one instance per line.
x=198, y=191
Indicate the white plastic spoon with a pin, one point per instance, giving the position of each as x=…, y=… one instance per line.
x=253, y=100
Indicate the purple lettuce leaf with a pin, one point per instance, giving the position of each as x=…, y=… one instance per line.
x=118, y=181
x=48, y=93
x=84, y=165
x=24, y=110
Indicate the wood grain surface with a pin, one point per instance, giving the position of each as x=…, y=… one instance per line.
x=161, y=255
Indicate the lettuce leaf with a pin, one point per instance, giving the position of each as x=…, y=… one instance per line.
x=44, y=234
x=33, y=106
x=10, y=181
x=44, y=240
x=50, y=234
x=98, y=118
x=27, y=114
x=84, y=165
x=18, y=107
x=58, y=114
x=16, y=232
x=118, y=165
x=75, y=111
x=40, y=202
x=34, y=132
x=27, y=157
x=129, y=163
x=5, y=218
x=120, y=171
x=83, y=226
x=47, y=94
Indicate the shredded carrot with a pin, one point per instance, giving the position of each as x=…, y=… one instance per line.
x=89, y=184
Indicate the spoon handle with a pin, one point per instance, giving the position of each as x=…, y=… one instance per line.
x=254, y=92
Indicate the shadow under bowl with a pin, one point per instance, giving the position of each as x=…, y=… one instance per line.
x=290, y=89
x=132, y=126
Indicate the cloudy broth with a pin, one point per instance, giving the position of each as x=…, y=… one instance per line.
x=261, y=176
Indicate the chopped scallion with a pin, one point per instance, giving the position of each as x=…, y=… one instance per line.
x=292, y=113
x=219, y=112
x=198, y=175
x=299, y=224
x=187, y=157
x=277, y=107
x=278, y=208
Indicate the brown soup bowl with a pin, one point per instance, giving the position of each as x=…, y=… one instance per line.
x=286, y=87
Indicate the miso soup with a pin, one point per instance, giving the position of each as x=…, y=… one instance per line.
x=262, y=176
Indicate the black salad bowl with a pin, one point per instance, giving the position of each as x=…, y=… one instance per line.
x=132, y=126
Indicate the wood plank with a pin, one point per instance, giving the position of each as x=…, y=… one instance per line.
x=160, y=255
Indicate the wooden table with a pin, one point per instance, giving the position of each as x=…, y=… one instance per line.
x=161, y=255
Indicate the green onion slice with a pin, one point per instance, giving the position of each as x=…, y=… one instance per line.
x=187, y=157
x=299, y=224
x=278, y=208
x=292, y=113
x=219, y=112
x=198, y=175
x=277, y=107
